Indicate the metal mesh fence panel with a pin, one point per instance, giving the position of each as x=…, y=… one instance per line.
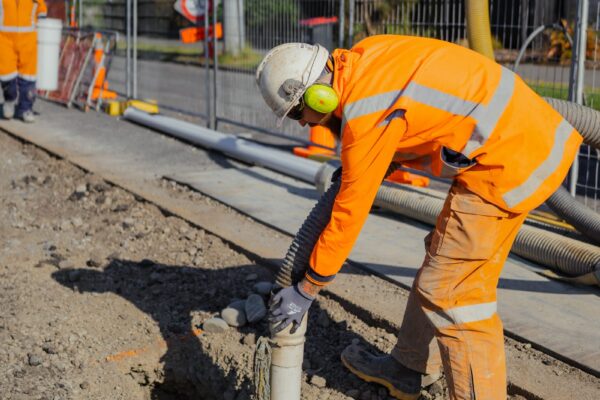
x=588, y=179
x=254, y=27
x=162, y=68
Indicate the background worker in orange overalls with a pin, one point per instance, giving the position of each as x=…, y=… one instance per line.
x=442, y=108
x=18, y=55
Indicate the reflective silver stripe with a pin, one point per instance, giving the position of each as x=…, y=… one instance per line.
x=30, y=78
x=462, y=315
x=544, y=170
x=8, y=77
x=439, y=99
x=369, y=105
x=17, y=29
x=487, y=116
x=33, y=10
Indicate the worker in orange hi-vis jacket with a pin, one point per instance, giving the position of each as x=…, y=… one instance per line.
x=18, y=55
x=439, y=107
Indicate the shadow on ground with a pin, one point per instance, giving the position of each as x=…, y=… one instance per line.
x=169, y=294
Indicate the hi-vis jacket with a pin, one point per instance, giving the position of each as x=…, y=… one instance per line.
x=439, y=107
x=20, y=16
x=18, y=38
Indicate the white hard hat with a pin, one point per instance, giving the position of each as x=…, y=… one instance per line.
x=287, y=71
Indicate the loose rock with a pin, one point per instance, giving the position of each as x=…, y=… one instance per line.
x=263, y=287
x=318, y=381
x=255, y=308
x=234, y=316
x=34, y=360
x=249, y=339
x=215, y=325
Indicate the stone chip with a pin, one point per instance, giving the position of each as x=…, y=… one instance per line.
x=215, y=325
x=255, y=308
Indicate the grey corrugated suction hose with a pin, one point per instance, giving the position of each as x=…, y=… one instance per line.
x=587, y=122
x=585, y=119
x=581, y=217
x=296, y=260
x=554, y=251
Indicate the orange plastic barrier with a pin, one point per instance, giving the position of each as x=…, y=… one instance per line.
x=319, y=135
x=400, y=176
x=196, y=34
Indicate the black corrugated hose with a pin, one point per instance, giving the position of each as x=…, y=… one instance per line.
x=296, y=260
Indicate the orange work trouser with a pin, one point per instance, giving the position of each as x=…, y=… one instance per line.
x=453, y=298
x=18, y=55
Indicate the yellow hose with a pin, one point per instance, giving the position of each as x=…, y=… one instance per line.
x=551, y=221
x=478, y=27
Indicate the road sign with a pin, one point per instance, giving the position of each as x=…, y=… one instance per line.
x=192, y=10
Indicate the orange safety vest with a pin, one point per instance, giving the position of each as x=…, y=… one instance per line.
x=20, y=15
x=439, y=107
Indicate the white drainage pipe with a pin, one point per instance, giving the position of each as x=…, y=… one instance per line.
x=287, y=353
x=243, y=150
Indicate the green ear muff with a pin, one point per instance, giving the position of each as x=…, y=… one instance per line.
x=321, y=98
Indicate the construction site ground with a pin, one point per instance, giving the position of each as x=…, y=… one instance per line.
x=109, y=271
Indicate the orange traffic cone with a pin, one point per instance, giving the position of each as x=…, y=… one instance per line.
x=100, y=89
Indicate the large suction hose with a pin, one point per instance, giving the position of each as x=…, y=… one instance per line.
x=554, y=251
x=295, y=262
x=587, y=122
x=478, y=27
x=585, y=119
x=581, y=217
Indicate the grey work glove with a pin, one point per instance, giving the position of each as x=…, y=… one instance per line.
x=287, y=306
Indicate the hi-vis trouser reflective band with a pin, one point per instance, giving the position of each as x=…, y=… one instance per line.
x=462, y=315
x=486, y=117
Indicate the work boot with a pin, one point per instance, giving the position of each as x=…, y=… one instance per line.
x=8, y=109
x=28, y=116
x=403, y=383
